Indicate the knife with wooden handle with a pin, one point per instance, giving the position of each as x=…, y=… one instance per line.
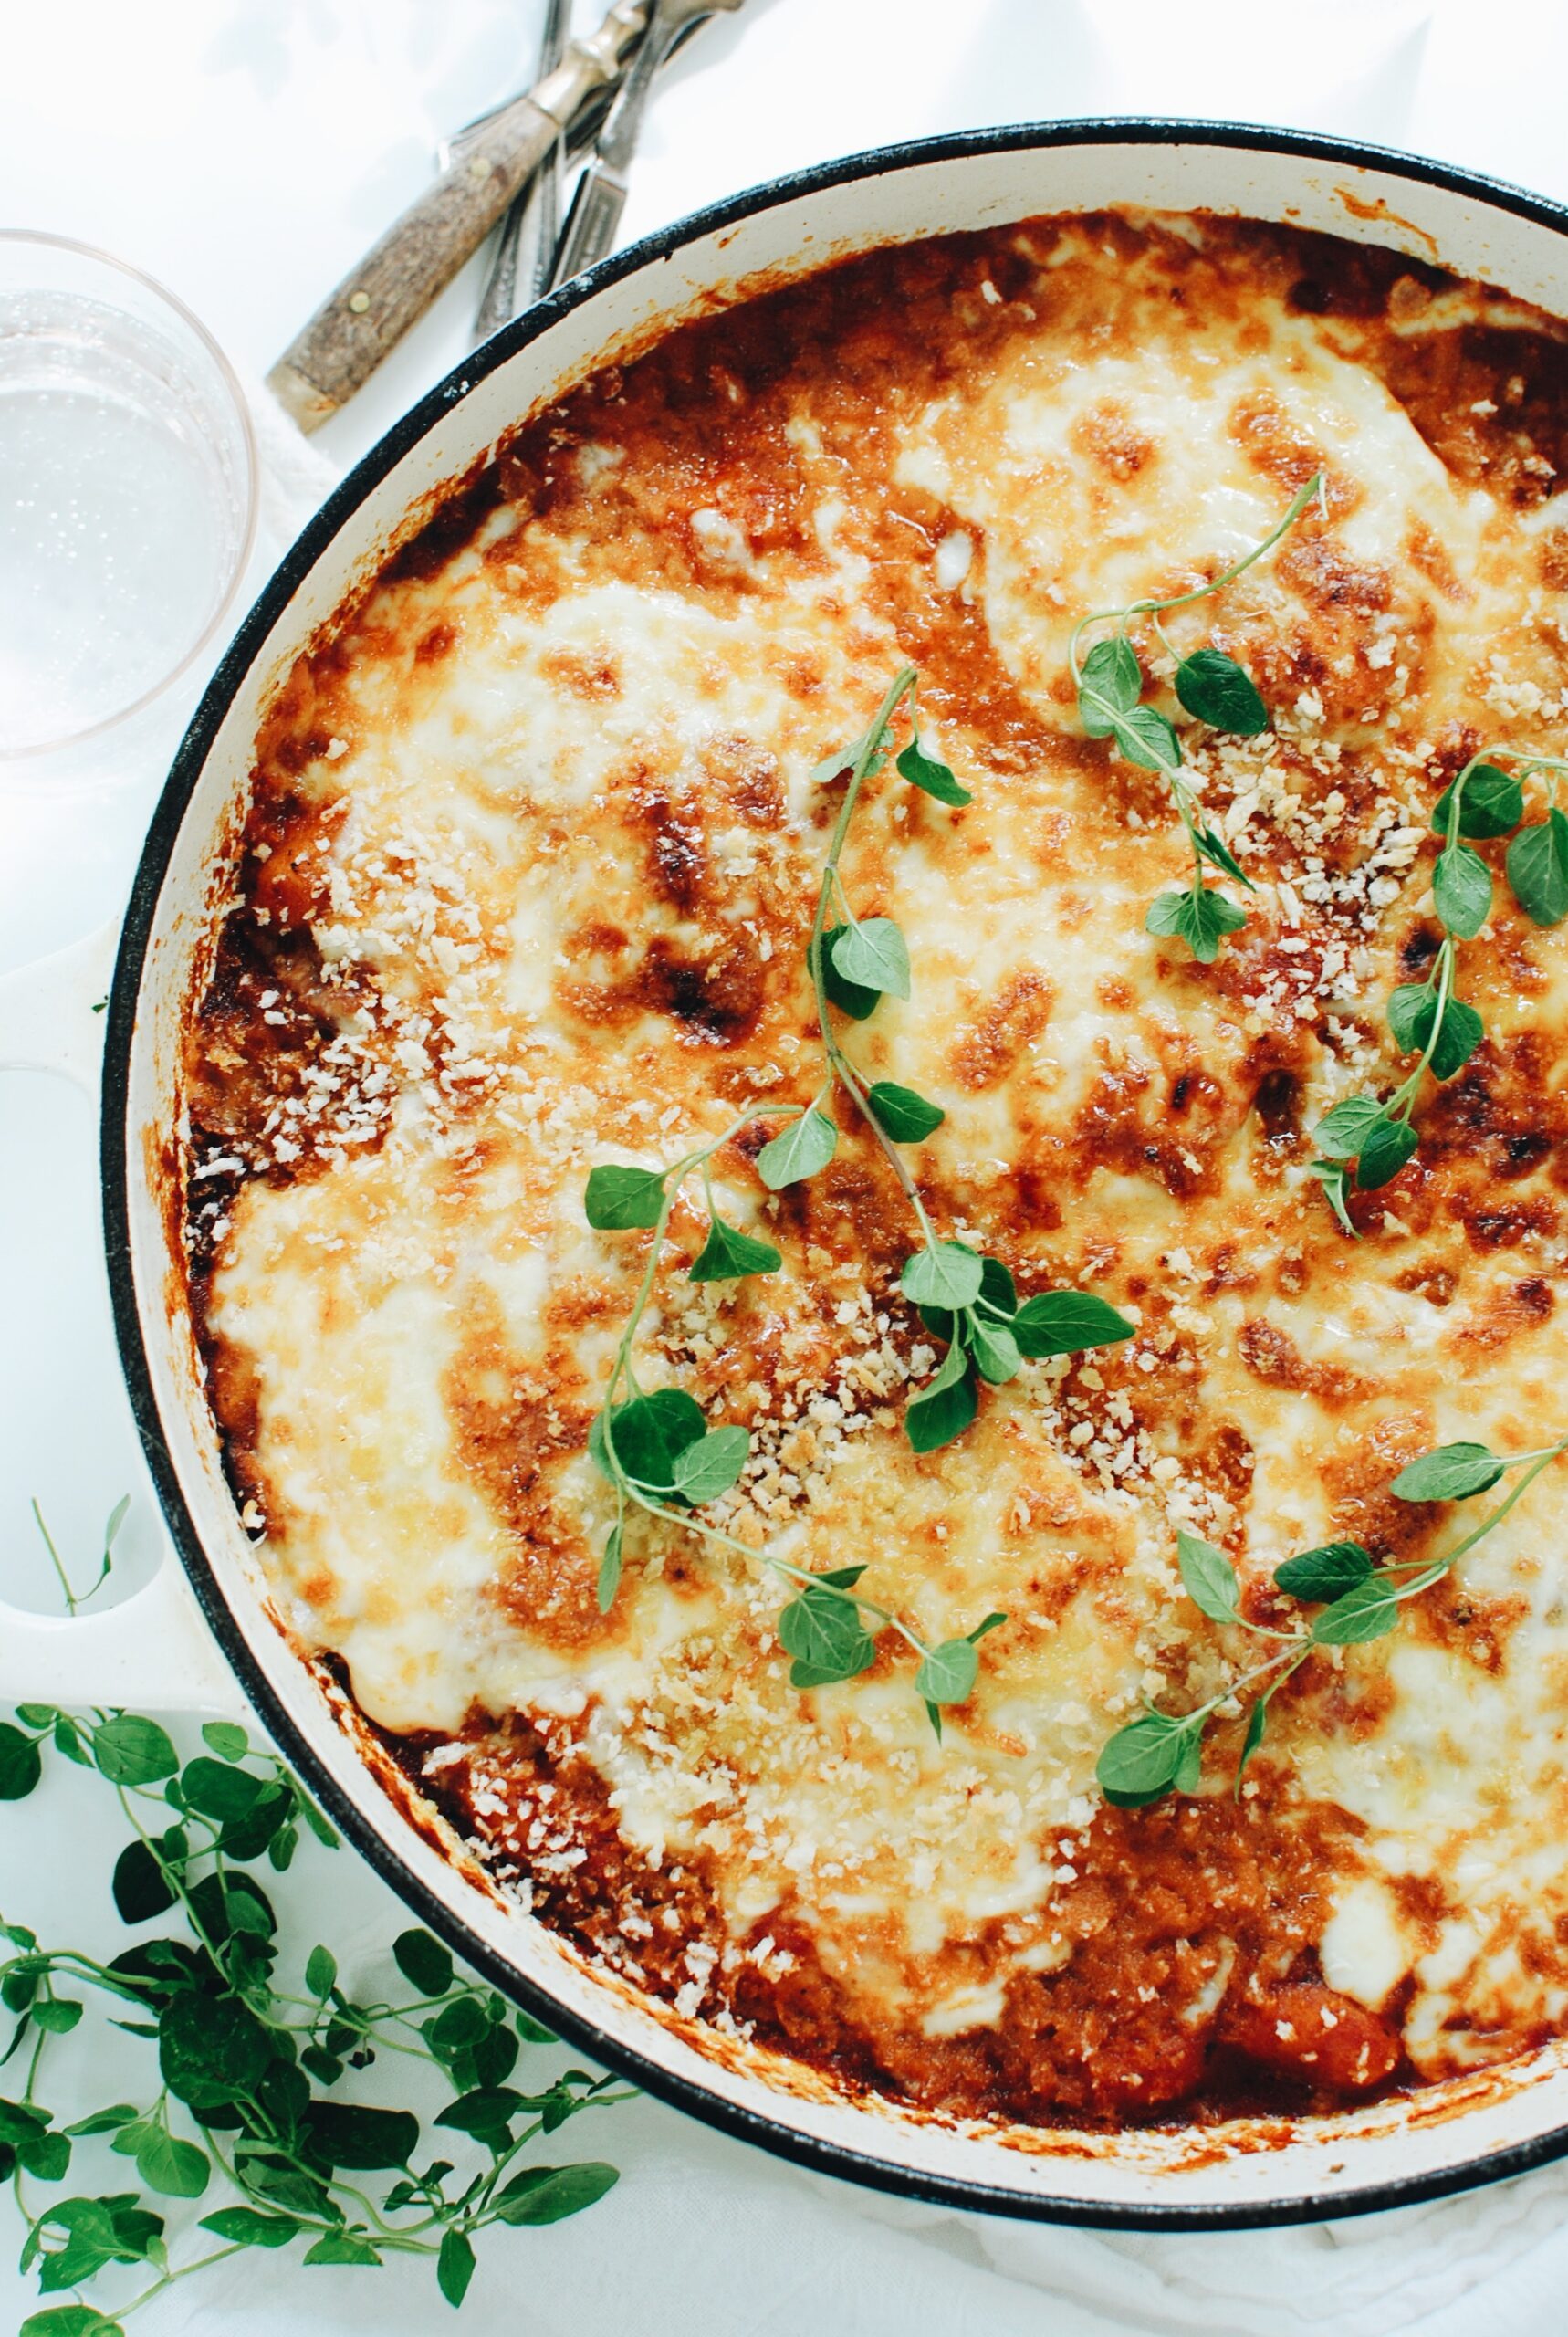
x=367, y=316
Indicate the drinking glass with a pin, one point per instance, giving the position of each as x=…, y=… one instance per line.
x=128, y=494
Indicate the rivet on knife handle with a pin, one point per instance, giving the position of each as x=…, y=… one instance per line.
x=393, y=285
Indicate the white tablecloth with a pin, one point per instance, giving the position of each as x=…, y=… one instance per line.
x=245, y=152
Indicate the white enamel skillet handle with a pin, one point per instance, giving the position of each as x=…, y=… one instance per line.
x=153, y=1650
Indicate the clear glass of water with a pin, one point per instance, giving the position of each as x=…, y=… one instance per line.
x=128, y=493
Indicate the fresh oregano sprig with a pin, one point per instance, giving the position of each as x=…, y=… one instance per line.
x=656, y=1448
x=1109, y=684
x=1365, y=1140
x=856, y=962
x=853, y=965
x=77, y=1598
x=660, y=1456
x=1359, y=1599
x=249, y=2064
x=973, y=1302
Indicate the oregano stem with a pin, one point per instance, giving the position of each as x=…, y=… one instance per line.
x=901, y=686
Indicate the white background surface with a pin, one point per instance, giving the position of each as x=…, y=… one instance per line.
x=245, y=152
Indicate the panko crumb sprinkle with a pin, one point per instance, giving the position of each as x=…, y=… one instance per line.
x=533, y=849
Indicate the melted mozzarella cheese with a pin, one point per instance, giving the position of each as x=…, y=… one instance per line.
x=602, y=777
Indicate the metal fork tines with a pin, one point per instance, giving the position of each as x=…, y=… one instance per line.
x=601, y=195
x=527, y=237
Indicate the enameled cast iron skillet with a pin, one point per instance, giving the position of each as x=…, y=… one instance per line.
x=1480, y=2128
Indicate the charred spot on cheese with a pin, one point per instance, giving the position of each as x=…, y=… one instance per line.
x=525, y=885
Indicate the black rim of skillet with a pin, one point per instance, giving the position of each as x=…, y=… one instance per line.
x=774, y=2135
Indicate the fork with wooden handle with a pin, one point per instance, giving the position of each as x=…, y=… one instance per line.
x=594, y=219
x=357, y=324
x=525, y=244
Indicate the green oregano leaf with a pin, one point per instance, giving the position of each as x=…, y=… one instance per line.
x=1148, y=739
x=545, y=2194
x=1334, y=1178
x=215, y=1790
x=129, y=1751
x=1066, y=1322
x=944, y=1274
x=1461, y=889
x=70, y=2321
x=727, y=1254
x=712, y=1465
x=1143, y=1762
x=211, y=2048
x=931, y=776
x=425, y=1964
x=997, y=1288
x=872, y=955
x=340, y=2247
x=1409, y=1006
x=945, y=1406
x=1201, y=917
x=248, y=2228
x=20, y=1765
x=1257, y=1722
x=226, y=1739
x=178, y=2169
x=1340, y=1134
x=907, y=1117
x=998, y=1357
x=1324, y=1573
x=851, y=998
x=1450, y=1473
x=486, y=2109
x=1491, y=805
x=1412, y=1014
x=454, y=2265
x=1368, y=1612
x=823, y=1632
x=49, y=2157
x=649, y=1434
x=139, y=1885
x=798, y=1151
x=1208, y=1578
x=352, y=2134
x=620, y=1198
x=1538, y=869
x=609, y=1581
x=1210, y=845
x=105, y=2122
x=1389, y=1145
x=1219, y=692
x=1111, y=684
x=59, y=2015
x=947, y=1672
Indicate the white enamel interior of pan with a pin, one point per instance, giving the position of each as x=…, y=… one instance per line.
x=1440, y=2142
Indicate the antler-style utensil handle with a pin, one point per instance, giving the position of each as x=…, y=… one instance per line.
x=373, y=307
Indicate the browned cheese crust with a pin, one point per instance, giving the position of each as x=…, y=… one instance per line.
x=530, y=859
